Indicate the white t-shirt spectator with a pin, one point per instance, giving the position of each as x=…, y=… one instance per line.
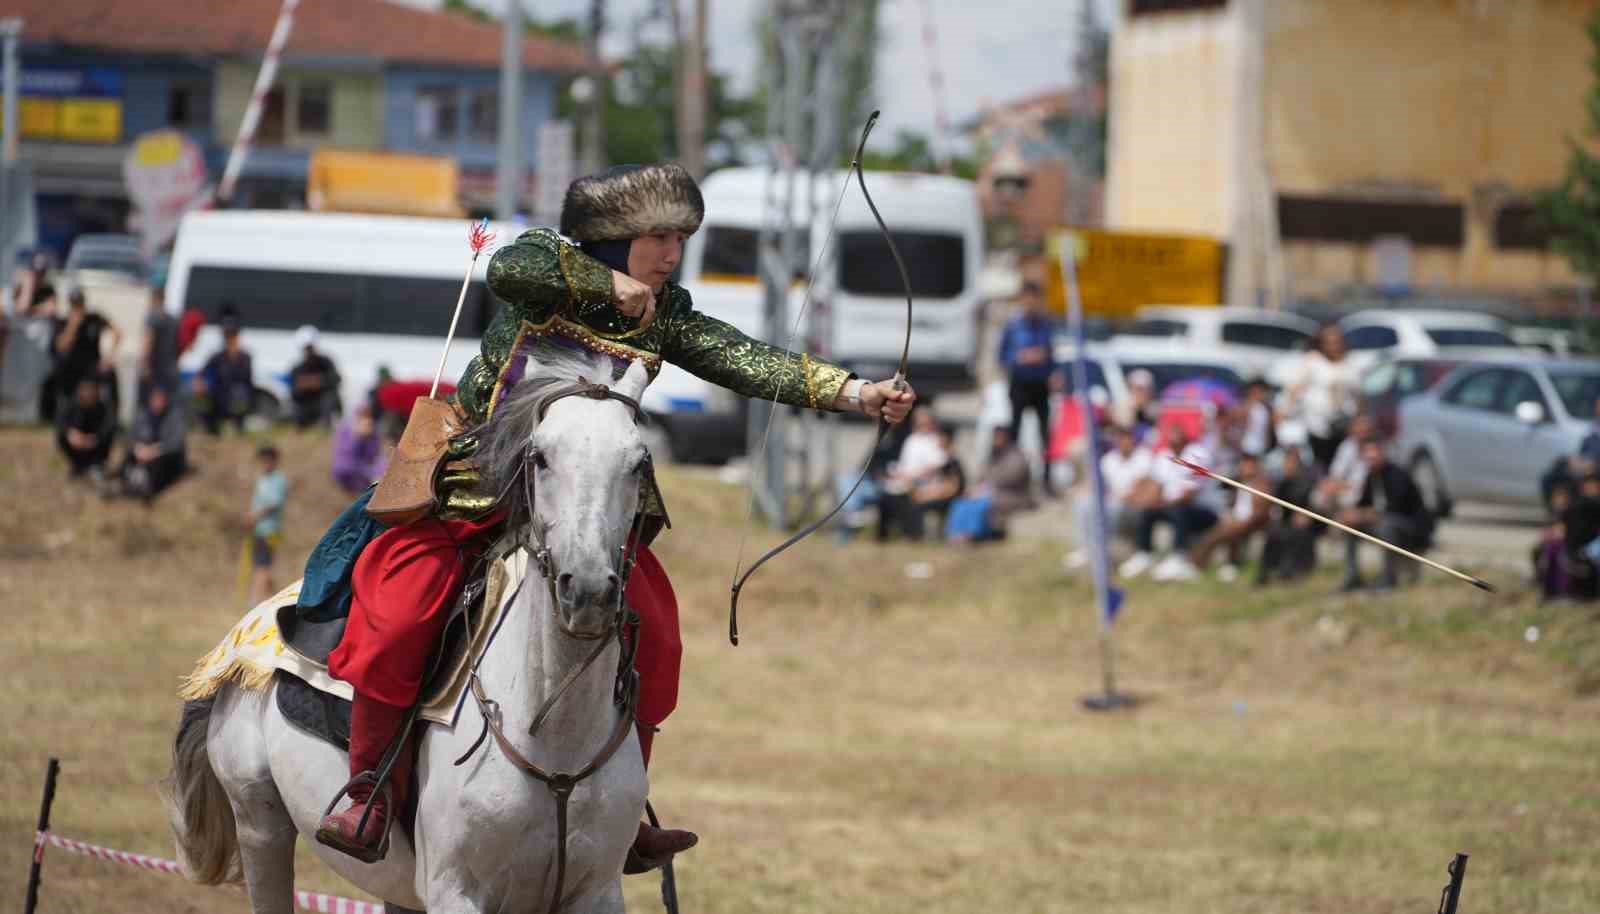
x=920, y=455
x=1257, y=430
x=1324, y=391
x=1177, y=481
x=1348, y=467
x=1121, y=473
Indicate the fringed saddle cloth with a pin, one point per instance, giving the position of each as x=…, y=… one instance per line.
x=254, y=651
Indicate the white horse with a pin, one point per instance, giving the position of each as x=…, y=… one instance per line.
x=246, y=783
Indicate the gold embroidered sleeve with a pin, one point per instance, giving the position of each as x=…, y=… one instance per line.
x=716, y=351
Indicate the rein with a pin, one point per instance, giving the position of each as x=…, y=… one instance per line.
x=624, y=626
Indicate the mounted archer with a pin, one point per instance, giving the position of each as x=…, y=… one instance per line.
x=606, y=290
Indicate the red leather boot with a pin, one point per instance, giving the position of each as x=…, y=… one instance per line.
x=373, y=726
x=653, y=847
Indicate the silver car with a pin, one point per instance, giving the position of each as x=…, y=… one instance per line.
x=1489, y=430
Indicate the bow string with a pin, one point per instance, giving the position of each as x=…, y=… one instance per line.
x=882, y=424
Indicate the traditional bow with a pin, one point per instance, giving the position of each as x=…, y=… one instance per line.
x=883, y=425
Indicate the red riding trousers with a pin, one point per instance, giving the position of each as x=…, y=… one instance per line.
x=407, y=579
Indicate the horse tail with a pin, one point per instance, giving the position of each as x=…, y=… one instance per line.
x=197, y=806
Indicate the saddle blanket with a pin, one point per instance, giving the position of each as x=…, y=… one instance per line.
x=253, y=650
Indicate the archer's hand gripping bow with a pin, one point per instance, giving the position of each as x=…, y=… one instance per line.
x=899, y=378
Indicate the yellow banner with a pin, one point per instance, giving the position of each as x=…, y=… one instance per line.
x=1120, y=272
x=74, y=120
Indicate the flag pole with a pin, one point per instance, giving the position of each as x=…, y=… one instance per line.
x=1106, y=597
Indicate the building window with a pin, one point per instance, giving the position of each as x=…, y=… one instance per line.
x=1307, y=218
x=483, y=115
x=438, y=114
x=270, y=129
x=1145, y=7
x=189, y=104
x=314, y=107
x=1517, y=227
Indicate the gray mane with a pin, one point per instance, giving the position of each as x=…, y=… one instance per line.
x=503, y=440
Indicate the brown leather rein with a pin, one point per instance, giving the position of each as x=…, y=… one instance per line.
x=560, y=783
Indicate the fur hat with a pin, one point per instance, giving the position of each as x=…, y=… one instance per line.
x=630, y=201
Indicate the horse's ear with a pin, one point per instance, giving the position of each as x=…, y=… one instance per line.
x=634, y=380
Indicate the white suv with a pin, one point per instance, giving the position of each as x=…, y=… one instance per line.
x=1250, y=339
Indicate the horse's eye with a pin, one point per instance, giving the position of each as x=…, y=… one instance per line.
x=539, y=463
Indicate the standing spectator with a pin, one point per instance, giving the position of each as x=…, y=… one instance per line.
x=158, y=360
x=1189, y=503
x=156, y=453
x=1391, y=508
x=78, y=345
x=86, y=429
x=358, y=451
x=225, y=387
x=265, y=518
x=313, y=381
x=1027, y=354
x=1322, y=393
x=1290, y=549
x=1004, y=490
x=42, y=311
x=1247, y=515
x=1122, y=469
x=931, y=492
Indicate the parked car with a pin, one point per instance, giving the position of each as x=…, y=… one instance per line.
x=1547, y=340
x=1390, y=382
x=98, y=258
x=1426, y=333
x=1490, y=430
x=1251, y=340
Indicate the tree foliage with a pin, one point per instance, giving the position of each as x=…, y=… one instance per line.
x=1571, y=210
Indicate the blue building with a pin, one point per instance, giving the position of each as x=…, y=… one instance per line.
x=354, y=74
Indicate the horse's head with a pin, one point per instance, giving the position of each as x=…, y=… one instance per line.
x=565, y=448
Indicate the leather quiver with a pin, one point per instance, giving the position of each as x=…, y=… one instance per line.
x=407, y=492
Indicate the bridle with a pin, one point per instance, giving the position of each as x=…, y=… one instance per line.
x=623, y=626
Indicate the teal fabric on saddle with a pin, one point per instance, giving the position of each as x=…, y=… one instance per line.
x=314, y=625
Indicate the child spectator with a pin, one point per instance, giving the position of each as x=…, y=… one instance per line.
x=313, y=381
x=1391, y=508
x=1247, y=515
x=225, y=388
x=87, y=427
x=358, y=452
x=1004, y=490
x=265, y=518
x=156, y=454
x=1189, y=503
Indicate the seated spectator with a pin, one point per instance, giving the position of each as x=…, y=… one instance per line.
x=156, y=453
x=1122, y=469
x=906, y=504
x=1246, y=517
x=313, y=382
x=86, y=429
x=224, y=389
x=1564, y=476
x=1389, y=507
x=1347, y=472
x=854, y=514
x=1257, y=420
x=1188, y=502
x=359, y=453
x=1004, y=490
x=1290, y=547
x=1565, y=559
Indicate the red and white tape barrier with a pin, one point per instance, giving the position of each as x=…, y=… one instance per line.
x=306, y=901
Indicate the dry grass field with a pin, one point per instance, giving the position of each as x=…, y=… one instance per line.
x=884, y=743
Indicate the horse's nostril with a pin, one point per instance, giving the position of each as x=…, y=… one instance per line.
x=564, y=583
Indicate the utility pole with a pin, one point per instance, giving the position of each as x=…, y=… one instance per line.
x=508, y=164
x=11, y=34
x=594, y=145
x=692, y=121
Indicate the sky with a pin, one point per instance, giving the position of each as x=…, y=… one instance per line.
x=990, y=52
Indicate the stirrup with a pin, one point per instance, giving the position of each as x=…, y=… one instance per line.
x=365, y=853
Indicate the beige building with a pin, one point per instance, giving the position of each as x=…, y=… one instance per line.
x=1342, y=146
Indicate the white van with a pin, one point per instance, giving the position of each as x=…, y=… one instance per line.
x=856, y=315
x=380, y=289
